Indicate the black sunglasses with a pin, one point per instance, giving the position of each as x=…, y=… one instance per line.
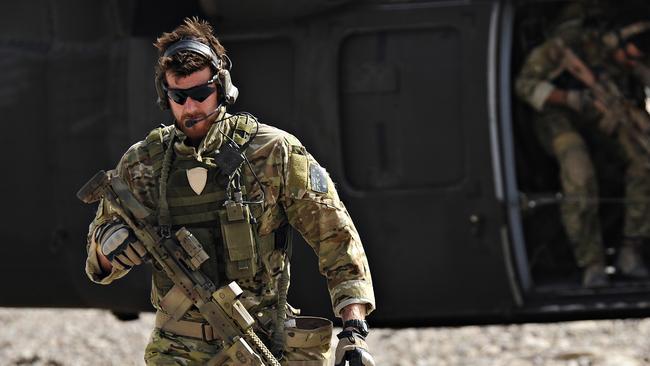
x=198, y=93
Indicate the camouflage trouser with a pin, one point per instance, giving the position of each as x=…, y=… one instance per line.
x=560, y=137
x=304, y=347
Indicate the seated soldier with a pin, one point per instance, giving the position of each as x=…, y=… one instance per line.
x=555, y=80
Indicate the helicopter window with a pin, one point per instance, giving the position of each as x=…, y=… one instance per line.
x=401, y=107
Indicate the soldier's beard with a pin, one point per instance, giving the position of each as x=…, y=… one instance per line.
x=198, y=130
x=192, y=119
x=193, y=131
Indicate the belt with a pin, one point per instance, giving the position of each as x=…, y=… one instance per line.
x=185, y=328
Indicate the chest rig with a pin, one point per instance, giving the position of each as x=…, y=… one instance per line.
x=208, y=198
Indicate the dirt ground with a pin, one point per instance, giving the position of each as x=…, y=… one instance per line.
x=94, y=337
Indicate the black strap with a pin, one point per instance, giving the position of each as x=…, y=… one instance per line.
x=164, y=217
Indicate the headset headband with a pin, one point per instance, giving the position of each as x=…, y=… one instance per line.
x=193, y=45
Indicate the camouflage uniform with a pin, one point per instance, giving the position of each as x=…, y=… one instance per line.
x=292, y=194
x=560, y=131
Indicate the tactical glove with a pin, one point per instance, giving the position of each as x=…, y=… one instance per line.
x=118, y=243
x=352, y=347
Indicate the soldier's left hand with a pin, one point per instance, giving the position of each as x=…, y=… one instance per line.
x=580, y=100
x=352, y=347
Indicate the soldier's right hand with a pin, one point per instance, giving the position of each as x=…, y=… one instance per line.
x=118, y=244
x=353, y=350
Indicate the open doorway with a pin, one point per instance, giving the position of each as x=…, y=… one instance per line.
x=552, y=256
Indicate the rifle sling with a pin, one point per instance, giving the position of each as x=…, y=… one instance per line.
x=128, y=200
x=164, y=217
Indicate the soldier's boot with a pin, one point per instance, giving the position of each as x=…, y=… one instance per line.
x=594, y=276
x=630, y=259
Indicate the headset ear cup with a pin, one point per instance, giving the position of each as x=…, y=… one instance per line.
x=162, y=101
x=228, y=89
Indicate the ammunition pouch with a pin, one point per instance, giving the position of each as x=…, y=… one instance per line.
x=239, y=241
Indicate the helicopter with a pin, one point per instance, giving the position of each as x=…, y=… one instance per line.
x=407, y=103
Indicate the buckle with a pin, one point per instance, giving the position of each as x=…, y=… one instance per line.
x=206, y=329
x=165, y=231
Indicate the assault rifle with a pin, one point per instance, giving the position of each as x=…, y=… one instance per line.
x=180, y=257
x=618, y=112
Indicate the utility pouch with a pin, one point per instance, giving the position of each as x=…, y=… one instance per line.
x=239, y=242
x=308, y=341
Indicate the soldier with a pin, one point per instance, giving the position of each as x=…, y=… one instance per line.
x=177, y=171
x=566, y=109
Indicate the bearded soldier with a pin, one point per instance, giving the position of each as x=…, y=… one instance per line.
x=187, y=172
x=584, y=81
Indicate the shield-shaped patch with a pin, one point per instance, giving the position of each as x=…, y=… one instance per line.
x=197, y=177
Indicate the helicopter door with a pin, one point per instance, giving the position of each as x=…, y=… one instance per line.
x=411, y=148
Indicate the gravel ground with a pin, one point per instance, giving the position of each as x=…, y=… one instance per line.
x=94, y=337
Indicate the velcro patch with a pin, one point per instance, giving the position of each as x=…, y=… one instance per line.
x=317, y=178
x=298, y=176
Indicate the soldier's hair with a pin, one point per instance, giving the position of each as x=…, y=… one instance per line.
x=185, y=63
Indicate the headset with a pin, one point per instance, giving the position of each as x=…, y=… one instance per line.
x=226, y=90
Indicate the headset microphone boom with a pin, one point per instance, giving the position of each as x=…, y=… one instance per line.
x=192, y=121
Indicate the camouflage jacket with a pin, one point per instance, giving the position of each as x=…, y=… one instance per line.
x=543, y=69
x=284, y=169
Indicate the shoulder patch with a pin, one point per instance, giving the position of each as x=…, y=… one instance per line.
x=298, y=175
x=317, y=178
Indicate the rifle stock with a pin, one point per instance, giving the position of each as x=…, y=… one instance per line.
x=180, y=257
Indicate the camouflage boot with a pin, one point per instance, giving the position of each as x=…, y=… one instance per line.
x=594, y=276
x=630, y=259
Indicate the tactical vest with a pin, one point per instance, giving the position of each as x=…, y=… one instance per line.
x=227, y=235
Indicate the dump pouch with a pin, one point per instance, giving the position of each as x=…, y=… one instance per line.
x=241, y=258
x=308, y=341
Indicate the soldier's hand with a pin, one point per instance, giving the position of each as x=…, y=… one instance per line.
x=352, y=347
x=581, y=101
x=119, y=245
